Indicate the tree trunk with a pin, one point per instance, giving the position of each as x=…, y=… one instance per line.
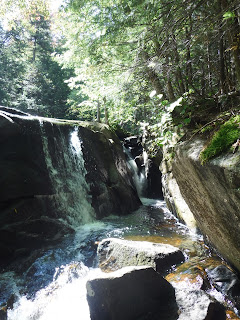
x=179, y=76
x=209, y=65
x=151, y=73
x=166, y=72
x=233, y=31
x=106, y=114
x=188, y=56
x=223, y=82
x=34, y=48
x=98, y=112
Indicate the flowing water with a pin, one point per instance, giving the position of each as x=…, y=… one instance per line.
x=53, y=286
x=50, y=284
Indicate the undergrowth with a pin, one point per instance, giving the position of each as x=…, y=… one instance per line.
x=222, y=139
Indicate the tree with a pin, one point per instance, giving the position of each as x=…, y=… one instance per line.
x=39, y=86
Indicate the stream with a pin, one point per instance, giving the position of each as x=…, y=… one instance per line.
x=51, y=283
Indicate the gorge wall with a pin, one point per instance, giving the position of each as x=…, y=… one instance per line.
x=206, y=196
x=55, y=176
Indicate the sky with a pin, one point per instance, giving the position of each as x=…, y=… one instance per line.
x=55, y=4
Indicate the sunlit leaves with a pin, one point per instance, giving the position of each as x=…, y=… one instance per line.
x=229, y=15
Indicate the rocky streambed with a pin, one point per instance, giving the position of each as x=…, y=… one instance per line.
x=53, y=284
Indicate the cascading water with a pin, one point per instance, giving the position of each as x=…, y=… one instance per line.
x=52, y=286
x=67, y=173
x=139, y=175
x=64, y=295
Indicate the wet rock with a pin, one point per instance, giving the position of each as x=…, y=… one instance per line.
x=216, y=311
x=131, y=293
x=225, y=280
x=3, y=314
x=154, y=180
x=114, y=254
x=44, y=181
x=197, y=305
x=111, y=185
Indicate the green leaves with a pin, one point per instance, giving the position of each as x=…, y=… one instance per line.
x=229, y=15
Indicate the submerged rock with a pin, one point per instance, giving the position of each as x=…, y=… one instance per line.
x=114, y=254
x=131, y=293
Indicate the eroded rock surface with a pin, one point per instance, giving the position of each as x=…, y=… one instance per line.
x=131, y=293
x=210, y=192
x=115, y=254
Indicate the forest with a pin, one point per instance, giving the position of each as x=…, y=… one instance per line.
x=128, y=63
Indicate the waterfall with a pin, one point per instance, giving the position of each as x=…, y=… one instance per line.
x=65, y=163
x=139, y=175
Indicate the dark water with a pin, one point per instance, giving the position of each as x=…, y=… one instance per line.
x=51, y=285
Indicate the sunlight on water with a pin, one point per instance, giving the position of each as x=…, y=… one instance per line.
x=64, y=298
x=65, y=163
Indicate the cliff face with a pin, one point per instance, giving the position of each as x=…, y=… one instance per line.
x=210, y=193
x=56, y=175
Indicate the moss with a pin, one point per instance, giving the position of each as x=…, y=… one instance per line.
x=222, y=140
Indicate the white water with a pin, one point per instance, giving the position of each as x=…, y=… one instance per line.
x=64, y=298
x=139, y=176
x=67, y=173
x=65, y=268
x=54, y=286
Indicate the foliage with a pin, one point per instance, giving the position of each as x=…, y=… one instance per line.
x=32, y=80
x=122, y=51
x=122, y=62
x=223, y=139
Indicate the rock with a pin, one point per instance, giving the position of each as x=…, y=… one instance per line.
x=215, y=311
x=111, y=185
x=54, y=173
x=113, y=254
x=197, y=305
x=147, y=167
x=211, y=193
x=225, y=280
x=154, y=180
x=3, y=314
x=131, y=293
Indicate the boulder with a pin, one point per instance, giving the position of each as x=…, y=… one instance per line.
x=114, y=254
x=131, y=293
x=225, y=280
x=197, y=305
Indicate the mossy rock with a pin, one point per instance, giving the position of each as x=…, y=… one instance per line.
x=222, y=140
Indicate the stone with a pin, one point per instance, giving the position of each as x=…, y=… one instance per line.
x=211, y=192
x=131, y=293
x=196, y=304
x=46, y=189
x=225, y=280
x=111, y=185
x=3, y=314
x=114, y=254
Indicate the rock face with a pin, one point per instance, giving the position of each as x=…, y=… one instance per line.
x=114, y=254
x=111, y=185
x=210, y=192
x=146, y=170
x=54, y=173
x=131, y=293
x=196, y=304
